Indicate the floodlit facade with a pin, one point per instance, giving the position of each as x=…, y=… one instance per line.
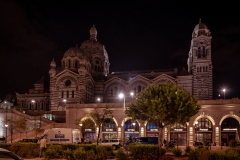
x=83, y=83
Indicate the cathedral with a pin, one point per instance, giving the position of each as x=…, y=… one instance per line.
x=83, y=83
x=84, y=77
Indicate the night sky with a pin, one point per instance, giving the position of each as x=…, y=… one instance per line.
x=137, y=34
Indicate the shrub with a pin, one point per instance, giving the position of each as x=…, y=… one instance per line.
x=199, y=154
x=121, y=155
x=146, y=152
x=68, y=154
x=91, y=155
x=53, y=151
x=80, y=154
x=232, y=143
x=177, y=152
x=231, y=153
x=188, y=149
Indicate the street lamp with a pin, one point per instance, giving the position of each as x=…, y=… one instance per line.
x=6, y=126
x=98, y=99
x=33, y=101
x=65, y=101
x=224, y=90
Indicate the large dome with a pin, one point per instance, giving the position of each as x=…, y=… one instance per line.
x=92, y=47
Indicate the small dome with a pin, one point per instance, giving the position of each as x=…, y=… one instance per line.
x=73, y=52
x=200, y=26
x=201, y=29
x=93, y=30
x=53, y=64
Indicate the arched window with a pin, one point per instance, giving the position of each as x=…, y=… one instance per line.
x=95, y=68
x=76, y=64
x=72, y=94
x=42, y=105
x=199, y=52
x=152, y=125
x=111, y=92
x=139, y=88
x=115, y=91
x=69, y=63
x=67, y=94
x=99, y=69
x=131, y=124
x=204, y=123
x=203, y=51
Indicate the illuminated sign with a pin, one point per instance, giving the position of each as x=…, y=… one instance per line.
x=88, y=130
x=153, y=129
x=59, y=136
x=230, y=129
x=178, y=129
x=131, y=129
x=109, y=129
x=203, y=129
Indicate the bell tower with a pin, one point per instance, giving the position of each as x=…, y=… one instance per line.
x=199, y=62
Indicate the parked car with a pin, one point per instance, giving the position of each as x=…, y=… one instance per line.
x=6, y=154
x=2, y=140
x=115, y=143
x=29, y=140
x=148, y=140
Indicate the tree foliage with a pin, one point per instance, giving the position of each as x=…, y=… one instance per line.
x=16, y=125
x=102, y=118
x=164, y=104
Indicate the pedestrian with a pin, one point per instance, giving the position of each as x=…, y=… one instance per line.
x=43, y=145
x=164, y=142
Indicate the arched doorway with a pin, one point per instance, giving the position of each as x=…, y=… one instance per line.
x=109, y=130
x=230, y=130
x=178, y=134
x=203, y=130
x=131, y=129
x=88, y=130
x=152, y=129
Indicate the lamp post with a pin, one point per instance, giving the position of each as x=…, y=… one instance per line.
x=6, y=126
x=122, y=96
x=224, y=90
x=196, y=130
x=134, y=123
x=80, y=124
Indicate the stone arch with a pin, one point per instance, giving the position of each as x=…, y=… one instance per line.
x=204, y=116
x=88, y=117
x=163, y=78
x=126, y=119
x=65, y=77
x=115, y=83
x=115, y=121
x=229, y=116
